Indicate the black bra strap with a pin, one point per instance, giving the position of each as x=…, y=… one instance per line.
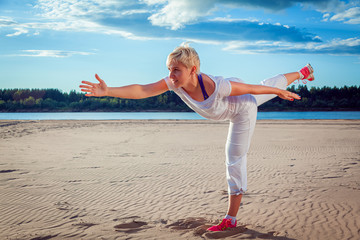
x=206, y=96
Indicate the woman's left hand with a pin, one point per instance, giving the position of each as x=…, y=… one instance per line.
x=288, y=95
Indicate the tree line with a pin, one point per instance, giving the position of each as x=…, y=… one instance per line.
x=54, y=100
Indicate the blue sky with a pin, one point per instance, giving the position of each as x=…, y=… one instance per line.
x=58, y=43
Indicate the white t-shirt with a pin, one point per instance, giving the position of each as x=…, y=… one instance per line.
x=219, y=106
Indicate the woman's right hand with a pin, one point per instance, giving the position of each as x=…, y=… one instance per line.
x=284, y=94
x=95, y=89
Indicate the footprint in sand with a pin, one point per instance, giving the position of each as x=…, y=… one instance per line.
x=44, y=237
x=131, y=227
x=63, y=206
x=84, y=225
x=8, y=171
x=189, y=223
x=198, y=225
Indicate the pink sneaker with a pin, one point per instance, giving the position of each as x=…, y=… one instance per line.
x=225, y=224
x=307, y=73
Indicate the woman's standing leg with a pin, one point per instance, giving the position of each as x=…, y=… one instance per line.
x=241, y=129
x=238, y=141
x=234, y=204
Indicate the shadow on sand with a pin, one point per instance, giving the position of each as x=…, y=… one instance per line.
x=199, y=227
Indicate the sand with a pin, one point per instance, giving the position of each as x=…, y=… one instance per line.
x=166, y=180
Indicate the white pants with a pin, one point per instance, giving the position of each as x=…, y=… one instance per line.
x=241, y=129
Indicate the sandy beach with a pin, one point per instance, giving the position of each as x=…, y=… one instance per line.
x=157, y=179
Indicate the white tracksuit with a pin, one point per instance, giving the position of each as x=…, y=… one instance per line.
x=241, y=111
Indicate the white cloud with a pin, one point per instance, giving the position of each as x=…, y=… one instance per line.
x=351, y=42
x=341, y=11
x=175, y=14
x=134, y=11
x=254, y=47
x=124, y=34
x=154, y=2
x=110, y=16
x=18, y=32
x=229, y=19
x=168, y=13
x=96, y=15
x=6, y=21
x=72, y=22
x=350, y=16
x=69, y=9
x=332, y=6
x=82, y=16
x=348, y=46
x=326, y=17
x=10, y=24
x=51, y=53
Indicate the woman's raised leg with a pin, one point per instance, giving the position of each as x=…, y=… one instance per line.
x=292, y=77
x=306, y=73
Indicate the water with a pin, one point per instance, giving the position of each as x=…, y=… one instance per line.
x=169, y=115
x=308, y=115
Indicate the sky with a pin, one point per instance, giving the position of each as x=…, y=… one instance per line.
x=59, y=43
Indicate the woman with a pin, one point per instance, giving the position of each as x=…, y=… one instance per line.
x=215, y=98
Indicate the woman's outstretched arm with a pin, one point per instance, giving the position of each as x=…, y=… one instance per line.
x=243, y=88
x=134, y=91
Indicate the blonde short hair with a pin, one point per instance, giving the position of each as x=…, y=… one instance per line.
x=186, y=55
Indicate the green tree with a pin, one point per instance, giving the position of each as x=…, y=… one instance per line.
x=17, y=95
x=55, y=94
x=49, y=104
x=2, y=105
x=29, y=102
x=74, y=96
x=38, y=102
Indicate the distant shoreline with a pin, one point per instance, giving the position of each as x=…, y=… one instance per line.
x=53, y=100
